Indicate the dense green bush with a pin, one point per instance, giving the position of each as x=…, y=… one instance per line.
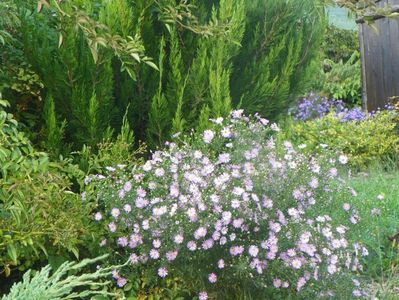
x=339, y=44
x=207, y=53
x=375, y=138
x=39, y=212
x=342, y=80
x=340, y=72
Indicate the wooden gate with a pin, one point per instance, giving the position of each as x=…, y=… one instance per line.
x=379, y=49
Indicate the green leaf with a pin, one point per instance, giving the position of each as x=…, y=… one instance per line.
x=75, y=252
x=12, y=253
x=4, y=103
x=152, y=65
x=128, y=287
x=135, y=56
x=99, y=297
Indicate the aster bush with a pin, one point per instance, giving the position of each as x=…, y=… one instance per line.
x=234, y=214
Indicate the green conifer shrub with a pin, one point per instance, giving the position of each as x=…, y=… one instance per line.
x=210, y=57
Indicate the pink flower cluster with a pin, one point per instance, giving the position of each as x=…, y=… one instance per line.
x=233, y=197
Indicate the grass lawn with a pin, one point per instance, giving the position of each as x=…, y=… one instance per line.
x=378, y=205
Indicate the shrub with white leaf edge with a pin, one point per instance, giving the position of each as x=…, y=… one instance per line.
x=231, y=211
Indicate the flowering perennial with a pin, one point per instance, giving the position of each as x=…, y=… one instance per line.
x=231, y=204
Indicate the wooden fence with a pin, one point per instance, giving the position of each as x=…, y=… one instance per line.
x=379, y=49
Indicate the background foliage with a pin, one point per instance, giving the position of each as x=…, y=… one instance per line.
x=207, y=54
x=39, y=212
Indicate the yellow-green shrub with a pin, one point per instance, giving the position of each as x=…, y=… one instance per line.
x=375, y=138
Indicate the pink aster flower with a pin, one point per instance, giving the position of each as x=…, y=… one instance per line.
x=115, y=212
x=121, y=282
x=346, y=206
x=203, y=296
x=123, y=241
x=154, y=254
x=220, y=263
x=277, y=283
x=98, y=216
x=191, y=245
x=178, y=239
x=112, y=227
x=296, y=263
x=134, y=259
x=253, y=250
x=127, y=208
x=200, y=233
x=162, y=272
x=159, y=172
x=127, y=186
x=208, y=136
x=212, y=278
x=224, y=158
x=207, y=244
x=156, y=243
x=171, y=255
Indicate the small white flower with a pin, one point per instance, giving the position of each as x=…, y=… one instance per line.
x=343, y=159
x=208, y=136
x=274, y=127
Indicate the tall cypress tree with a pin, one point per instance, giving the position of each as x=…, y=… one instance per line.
x=211, y=58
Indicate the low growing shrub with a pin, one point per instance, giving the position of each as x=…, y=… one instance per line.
x=233, y=215
x=374, y=137
x=61, y=284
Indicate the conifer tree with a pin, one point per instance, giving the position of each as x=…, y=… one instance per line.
x=54, y=130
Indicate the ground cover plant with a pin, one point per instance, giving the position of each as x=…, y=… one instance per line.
x=328, y=125
x=61, y=284
x=232, y=209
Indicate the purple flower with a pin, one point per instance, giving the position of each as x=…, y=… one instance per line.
x=121, y=282
x=208, y=244
x=200, y=233
x=123, y=241
x=236, y=250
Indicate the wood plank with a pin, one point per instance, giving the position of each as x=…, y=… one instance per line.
x=394, y=49
x=363, y=66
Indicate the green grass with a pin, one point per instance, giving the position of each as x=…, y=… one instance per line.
x=382, y=265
